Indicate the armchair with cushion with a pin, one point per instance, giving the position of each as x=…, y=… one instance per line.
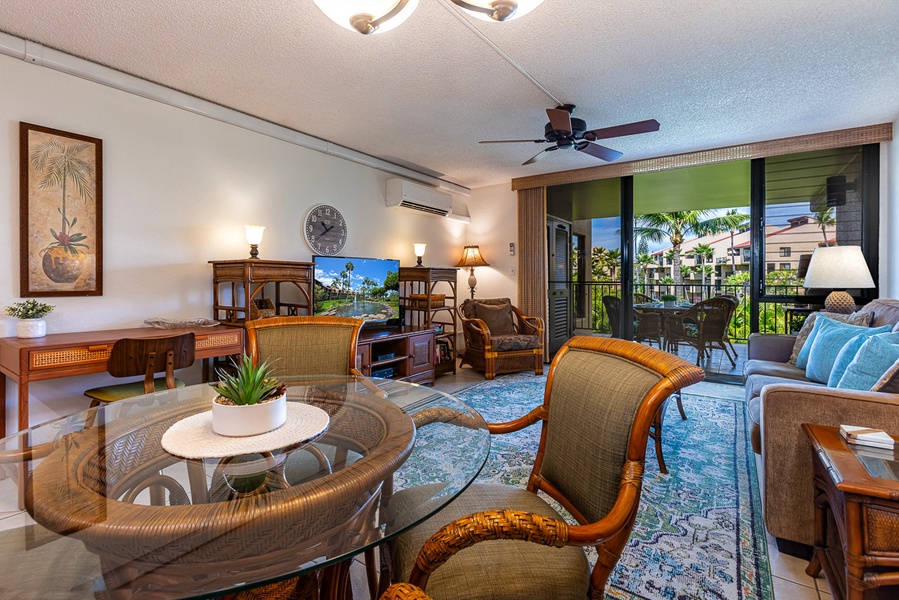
x=499, y=338
x=601, y=395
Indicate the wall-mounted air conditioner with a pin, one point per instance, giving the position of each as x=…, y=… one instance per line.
x=417, y=197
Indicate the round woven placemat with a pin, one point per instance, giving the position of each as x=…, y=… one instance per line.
x=193, y=437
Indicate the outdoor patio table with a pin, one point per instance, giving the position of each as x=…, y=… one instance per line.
x=111, y=514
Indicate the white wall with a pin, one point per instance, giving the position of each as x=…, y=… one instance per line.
x=178, y=189
x=494, y=225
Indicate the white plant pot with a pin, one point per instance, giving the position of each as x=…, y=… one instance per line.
x=31, y=328
x=668, y=303
x=251, y=419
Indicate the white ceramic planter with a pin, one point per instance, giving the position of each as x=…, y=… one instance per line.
x=31, y=328
x=668, y=303
x=251, y=419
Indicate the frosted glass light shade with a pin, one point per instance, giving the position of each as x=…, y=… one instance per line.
x=254, y=233
x=838, y=267
x=419, y=249
x=498, y=9
x=354, y=14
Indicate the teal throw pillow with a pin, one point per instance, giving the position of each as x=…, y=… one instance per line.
x=877, y=355
x=831, y=338
x=846, y=355
x=802, y=358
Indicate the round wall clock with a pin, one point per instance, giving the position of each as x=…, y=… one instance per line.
x=325, y=230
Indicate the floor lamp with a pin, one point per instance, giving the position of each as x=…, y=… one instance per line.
x=471, y=257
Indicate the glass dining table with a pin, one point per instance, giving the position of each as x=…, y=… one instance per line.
x=107, y=512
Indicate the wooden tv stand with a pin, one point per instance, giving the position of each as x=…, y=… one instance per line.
x=402, y=353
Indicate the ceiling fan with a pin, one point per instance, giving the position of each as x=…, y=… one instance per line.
x=567, y=132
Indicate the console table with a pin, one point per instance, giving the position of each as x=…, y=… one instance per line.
x=80, y=353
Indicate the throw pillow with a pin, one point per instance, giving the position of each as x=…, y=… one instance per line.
x=875, y=357
x=497, y=317
x=806, y=329
x=845, y=356
x=830, y=338
x=889, y=382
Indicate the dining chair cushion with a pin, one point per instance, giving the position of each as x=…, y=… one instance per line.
x=505, y=343
x=121, y=391
x=497, y=317
x=527, y=568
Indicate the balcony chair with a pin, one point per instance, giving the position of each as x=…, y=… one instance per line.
x=601, y=395
x=647, y=325
x=131, y=357
x=703, y=326
x=499, y=338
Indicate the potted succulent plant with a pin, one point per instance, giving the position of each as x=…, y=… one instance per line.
x=668, y=299
x=31, y=315
x=250, y=400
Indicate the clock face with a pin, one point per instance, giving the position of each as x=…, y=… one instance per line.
x=325, y=230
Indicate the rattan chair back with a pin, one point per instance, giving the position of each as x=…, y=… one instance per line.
x=301, y=346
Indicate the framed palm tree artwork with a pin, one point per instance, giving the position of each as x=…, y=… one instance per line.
x=61, y=192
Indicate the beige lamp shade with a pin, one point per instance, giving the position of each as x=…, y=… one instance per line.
x=471, y=257
x=838, y=268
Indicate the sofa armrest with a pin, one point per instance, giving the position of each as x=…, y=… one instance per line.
x=776, y=347
x=787, y=455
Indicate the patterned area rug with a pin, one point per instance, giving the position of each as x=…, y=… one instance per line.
x=699, y=532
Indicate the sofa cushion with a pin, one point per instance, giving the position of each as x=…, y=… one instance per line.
x=883, y=311
x=498, y=318
x=508, y=343
x=889, y=381
x=830, y=339
x=857, y=318
x=846, y=356
x=802, y=359
x=875, y=357
x=755, y=384
x=772, y=368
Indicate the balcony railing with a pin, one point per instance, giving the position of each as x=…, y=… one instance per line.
x=590, y=313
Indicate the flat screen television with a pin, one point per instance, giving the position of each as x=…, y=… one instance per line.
x=364, y=288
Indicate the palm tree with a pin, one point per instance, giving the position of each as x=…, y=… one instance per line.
x=736, y=221
x=675, y=227
x=703, y=251
x=350, y=267
x=825, y=219
x=613, y=261
x=60, y=163
x=643, y=262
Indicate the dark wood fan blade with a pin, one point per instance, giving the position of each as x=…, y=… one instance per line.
x=512, y=141
x=600, y=152
x=539, y=156
x=560, y=119
x=622, y=130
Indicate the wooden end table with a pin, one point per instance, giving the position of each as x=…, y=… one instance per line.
x=857, y=488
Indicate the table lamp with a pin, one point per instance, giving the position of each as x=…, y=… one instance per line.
x=254, y=238
x=471, y=257
x=838, y=268
x=419, y=253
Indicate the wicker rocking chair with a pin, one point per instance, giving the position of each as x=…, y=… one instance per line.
x=601, y=395
x=499, y=338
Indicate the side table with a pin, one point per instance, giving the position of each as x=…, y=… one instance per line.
x=857, y=489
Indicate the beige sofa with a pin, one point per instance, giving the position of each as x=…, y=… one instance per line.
x=779, y=399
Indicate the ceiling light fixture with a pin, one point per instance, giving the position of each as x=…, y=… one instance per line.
x=367, y=16
x=378, y=16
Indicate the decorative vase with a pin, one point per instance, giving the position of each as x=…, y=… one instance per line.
x=249, y=419
x=61, y=266
x=668, y=303
x=31, y=328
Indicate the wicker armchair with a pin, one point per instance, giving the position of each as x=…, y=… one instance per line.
x=298, y=346
x=647, y=325
x=601, y=395
x=499, y=338
x=703, y=326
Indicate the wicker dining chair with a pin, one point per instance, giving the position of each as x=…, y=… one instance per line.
x=647, y=325
x=499, y=338
x=299, y=346
x=703, y=326
x=131, y=357
x=601, y=395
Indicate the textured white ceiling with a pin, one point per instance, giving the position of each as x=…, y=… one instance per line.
x=712, y=72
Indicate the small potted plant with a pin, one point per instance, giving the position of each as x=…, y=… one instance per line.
x=31, y=315
x=250, y=401
x=668, y=299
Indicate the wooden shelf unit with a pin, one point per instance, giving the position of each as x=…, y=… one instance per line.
x=238, y=284
x=430, y=281
x=407, y=351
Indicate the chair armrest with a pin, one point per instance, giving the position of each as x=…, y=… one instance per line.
x=476, y=330
x=786, y=454
x=404, y=591
x=775, y=347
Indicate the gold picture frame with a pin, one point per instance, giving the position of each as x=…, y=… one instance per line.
x=60, y=215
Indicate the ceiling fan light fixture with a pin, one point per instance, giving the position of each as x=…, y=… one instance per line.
x=367, y=16
x=497, y=10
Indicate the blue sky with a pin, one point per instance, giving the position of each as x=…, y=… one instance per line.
x=328, y=268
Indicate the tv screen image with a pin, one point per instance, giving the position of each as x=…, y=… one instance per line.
x=364, y=288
